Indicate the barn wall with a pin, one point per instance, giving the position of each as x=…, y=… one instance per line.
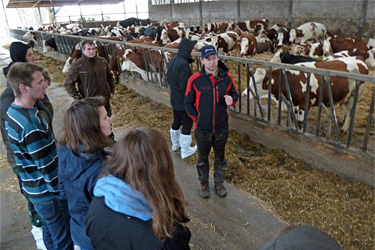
x=350, y=17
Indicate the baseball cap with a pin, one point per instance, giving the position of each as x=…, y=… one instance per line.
x=208, y=50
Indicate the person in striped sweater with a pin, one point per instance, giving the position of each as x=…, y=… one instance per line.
x=34, y=146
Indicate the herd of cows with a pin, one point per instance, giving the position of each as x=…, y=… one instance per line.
x=309, y=45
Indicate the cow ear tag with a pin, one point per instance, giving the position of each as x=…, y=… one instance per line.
x=252, y=42
x=268, y=82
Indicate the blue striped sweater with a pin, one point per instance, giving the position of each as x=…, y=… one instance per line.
x=33, y=143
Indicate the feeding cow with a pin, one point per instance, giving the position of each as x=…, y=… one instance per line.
x=247, y=44
x=307, y=31
x=342, y=88
x=49, y=45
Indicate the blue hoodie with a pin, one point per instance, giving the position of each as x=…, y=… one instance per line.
x=122, y=198
x=77, y=176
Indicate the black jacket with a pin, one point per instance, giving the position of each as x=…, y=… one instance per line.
x=110, y=230
x=179, y=72
x=205, y=102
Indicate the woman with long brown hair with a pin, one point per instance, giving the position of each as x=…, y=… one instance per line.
x=138, y=203
x=81, y=158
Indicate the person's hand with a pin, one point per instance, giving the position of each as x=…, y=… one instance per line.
x=228, y=100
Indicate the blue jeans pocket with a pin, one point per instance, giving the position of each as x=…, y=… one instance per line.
x=46, y=209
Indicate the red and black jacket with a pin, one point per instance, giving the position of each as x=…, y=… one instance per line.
x=205, y=103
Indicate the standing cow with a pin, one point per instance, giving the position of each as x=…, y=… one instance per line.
x=342, y=88
x=307, y=31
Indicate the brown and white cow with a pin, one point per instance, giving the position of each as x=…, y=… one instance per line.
x=307, y=31
x=342, y=88
x=354, y=47
x=247, y=44
x=169, y=35
x=227, y=41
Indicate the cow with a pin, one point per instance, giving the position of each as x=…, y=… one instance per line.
x=314, y=50
x=255, y=26
x=342, y=88
x=172, y=34
x=227, y=41
x=134, y=61
x=49, y=44
x=173, y=45
x=291, y=59
x=247, y=44
x=307, y=31
x=354, y=48
x=130, y=21
x=153, y=32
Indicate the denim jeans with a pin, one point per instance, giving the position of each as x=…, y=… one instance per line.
x=56, y=224
x=205, y=141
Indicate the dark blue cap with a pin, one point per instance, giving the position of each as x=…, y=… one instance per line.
x=208, y=50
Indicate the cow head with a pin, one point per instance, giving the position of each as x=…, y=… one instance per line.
x=327, y=49
x=370, y=60
x=259, y=77
x=248, y=47
x=292, y=35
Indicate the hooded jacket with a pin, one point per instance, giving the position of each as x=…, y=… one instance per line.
x=93, y=76
x=179, y=72
x=205, y=102
x=77, y=176
x=121, y=218
x=17, y=51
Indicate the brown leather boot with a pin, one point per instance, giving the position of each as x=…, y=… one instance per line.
x=204, y=191
x=220, y=190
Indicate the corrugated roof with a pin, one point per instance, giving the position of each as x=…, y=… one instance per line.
x=56, y=3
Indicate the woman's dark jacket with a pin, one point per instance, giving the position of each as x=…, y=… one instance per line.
x=110, y=230
x=77, y=177
x=179, y=72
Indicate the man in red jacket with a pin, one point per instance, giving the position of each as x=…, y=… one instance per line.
x=208, y=94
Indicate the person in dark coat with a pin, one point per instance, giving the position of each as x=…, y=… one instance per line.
x=208, y=95
x=179, y=72
x=20, y=52
x=138, y=203
x=81, y=157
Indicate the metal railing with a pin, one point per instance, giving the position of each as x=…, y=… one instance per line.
x=319, y=125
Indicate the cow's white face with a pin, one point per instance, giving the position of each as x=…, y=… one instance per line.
x=280, y=39
x=67, y=66
x=259, y=75
x=327, y=50
x=164, y=37
x=244, y=46
x=46, y=48
x=215, y=42
x=370, y=61
x=292, y=35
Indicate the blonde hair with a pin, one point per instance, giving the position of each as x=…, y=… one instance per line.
x=142, y=160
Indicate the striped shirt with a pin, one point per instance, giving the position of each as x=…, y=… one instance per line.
x=33, y=143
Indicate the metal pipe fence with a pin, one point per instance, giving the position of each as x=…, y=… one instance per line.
x=318, y=122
